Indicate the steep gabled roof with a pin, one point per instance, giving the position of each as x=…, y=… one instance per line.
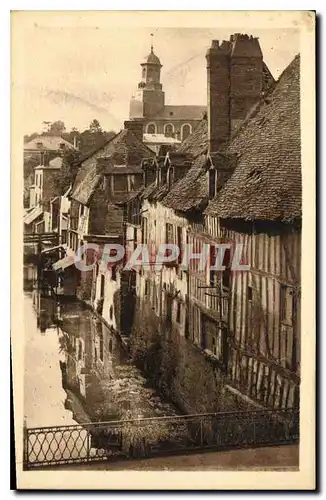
x=266, y=184
x=124, y=150
x=49, y=143
x=196, y=143
x=189, y=192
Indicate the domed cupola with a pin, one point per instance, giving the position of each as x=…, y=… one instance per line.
x=152, y=59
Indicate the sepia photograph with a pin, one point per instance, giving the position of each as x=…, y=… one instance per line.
x=160, y=185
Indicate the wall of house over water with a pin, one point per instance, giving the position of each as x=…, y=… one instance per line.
x=263, y=359
x=160, y=341
x=180, y=371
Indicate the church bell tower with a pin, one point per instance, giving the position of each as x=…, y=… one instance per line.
x=148, y=100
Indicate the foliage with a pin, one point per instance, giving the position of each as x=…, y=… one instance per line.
x=128, y=393
x=57, y=128
x=95, y=127
x=90, y=139
x=65, y=345
x=68, y=170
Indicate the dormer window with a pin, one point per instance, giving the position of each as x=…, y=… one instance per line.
x=39, y=144
x=62, y=145
x=120, y=183
x=212, y=182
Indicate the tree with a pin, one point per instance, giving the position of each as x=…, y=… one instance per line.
x=95, y=127
x=57, y=128
x=69, y=170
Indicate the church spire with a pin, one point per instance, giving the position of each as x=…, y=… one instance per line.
x=152, y=41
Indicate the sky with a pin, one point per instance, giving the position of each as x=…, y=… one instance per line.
x=76, y=74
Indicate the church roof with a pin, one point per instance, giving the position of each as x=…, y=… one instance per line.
x=181, y=113
x=152, y=59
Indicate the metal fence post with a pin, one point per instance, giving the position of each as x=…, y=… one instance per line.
x=88, y=435
x=25, y=444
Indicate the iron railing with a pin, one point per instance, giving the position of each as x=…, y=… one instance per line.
x=158, y=436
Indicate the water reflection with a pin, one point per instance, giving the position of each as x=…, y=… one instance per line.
x=97, y=369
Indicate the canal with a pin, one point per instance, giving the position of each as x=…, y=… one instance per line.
x=79, y=371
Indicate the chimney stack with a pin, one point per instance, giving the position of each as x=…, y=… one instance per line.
x=218, y=95
x=136, y=127
x=234, y=85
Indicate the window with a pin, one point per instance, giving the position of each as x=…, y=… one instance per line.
x=151, y=128
x=136, y=182
x=146, y=288
x=111, y=313
x=110, y=346
x=169, y=233
x=185, y=131
x=286, y=305
x=102, y=285
x=114, y=273
x=135, y=238
x=168, y=130
x=226, y=275
x=212, y=337
x=39, y=144
x=144, y=230
x=250, y=293
x=120, y=183
x=179, y=243
x=62, y=145
x=212, y=182
x=149, y=176
x=178, y=315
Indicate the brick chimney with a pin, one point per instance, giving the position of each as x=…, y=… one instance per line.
x=246, y=77
x=218, y=94
x=136, y=127
x=234, y=85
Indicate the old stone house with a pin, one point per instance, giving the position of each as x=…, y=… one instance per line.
x=43, y=190
x=107, y=178
x=245, y=325
x=210, y=340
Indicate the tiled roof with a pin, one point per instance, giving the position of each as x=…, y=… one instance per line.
x=196, y=143
x=181, y=113
x=266, y=184
x=123, y=150
x=190, y=192
x=49, y=142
